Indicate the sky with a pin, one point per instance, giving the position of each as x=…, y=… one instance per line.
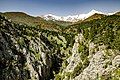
x=58, y=7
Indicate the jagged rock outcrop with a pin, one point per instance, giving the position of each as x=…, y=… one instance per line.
x=23, y=56
x=90, y=61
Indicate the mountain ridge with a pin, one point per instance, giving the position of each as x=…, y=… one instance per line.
x=69, y=18
x=74, y=18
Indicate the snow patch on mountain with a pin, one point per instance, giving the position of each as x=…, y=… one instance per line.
x=73, y=18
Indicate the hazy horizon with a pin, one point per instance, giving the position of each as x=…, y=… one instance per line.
x=60, y=8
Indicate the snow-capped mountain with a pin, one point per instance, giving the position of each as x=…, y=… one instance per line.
x=73, y=18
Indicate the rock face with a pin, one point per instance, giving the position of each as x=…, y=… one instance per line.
x=23, y=56
x=96, y=63
x=31, y=53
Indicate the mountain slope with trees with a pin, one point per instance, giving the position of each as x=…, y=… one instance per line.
x=88, y=50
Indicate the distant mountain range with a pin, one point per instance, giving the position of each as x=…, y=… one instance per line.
x=73, y=18
x=51, y=20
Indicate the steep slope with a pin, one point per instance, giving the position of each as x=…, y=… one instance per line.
x=118, y=13
x=20, y=58
x=112, y=19
x=95, y=16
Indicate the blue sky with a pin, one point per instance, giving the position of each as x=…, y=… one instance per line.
x=58, y=7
